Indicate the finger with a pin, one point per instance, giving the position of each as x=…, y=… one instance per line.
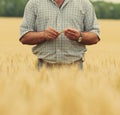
x=52, y=37
x=72, y=30
x=53, y=30
x=76, y=34
x=50, y=32
x=72, y=37
x=71, y=34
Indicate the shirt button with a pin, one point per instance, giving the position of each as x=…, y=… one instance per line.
x=58, y=50
x=59, y=24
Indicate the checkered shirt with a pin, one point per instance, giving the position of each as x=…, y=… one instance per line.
x=78, y=14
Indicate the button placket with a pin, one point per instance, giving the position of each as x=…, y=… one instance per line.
x=59, y=42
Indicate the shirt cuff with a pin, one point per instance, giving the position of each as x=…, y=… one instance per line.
x=97, y=33
x=23, y=33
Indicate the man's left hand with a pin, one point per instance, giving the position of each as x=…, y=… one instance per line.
x=72, y=34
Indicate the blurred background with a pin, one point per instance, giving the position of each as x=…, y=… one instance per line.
x=104, y=8
x=65, y=91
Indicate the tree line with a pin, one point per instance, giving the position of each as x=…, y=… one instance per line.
x=104, y=10
x=12, y=8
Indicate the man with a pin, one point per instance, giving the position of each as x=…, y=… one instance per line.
x=60, y=29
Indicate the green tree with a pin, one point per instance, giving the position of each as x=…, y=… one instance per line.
x=105, y=10
x=12, y=7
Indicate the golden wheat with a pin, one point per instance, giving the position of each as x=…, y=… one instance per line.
x=64, y=91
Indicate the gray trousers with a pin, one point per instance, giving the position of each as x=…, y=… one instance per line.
x=42, y=63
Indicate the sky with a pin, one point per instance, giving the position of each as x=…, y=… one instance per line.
x=115, y=1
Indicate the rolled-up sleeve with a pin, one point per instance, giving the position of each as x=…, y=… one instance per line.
x=28, y=23
x=90, y=21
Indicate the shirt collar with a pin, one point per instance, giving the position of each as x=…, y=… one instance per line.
x=64, y=0
x=54, y=0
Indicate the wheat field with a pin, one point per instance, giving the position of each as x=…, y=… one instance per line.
x=66, y=91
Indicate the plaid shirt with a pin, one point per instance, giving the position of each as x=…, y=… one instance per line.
x=78, y=14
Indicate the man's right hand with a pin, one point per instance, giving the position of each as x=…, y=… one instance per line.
x=51, y=34
x=33, y=38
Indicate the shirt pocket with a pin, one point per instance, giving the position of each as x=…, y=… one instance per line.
x=75, y=46
x=75, y=17
x=78, y=18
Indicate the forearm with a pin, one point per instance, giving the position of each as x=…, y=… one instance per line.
x=86, y=38
x=33, y=38
x=89, y=38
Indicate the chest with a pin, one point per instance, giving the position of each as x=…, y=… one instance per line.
x=50, y=9
x=59, y=2
x=49, y=14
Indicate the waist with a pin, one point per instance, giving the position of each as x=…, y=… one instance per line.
x=47, y=64
x=68, y=52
